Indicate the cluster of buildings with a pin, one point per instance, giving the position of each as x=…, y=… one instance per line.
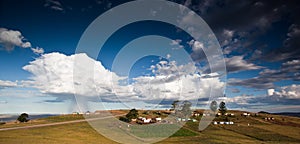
x=197, y=114
x=245, y=114
x=146, y=120
x=226, y=114
x=185, y=120
x=269, y=119
x=221, y=123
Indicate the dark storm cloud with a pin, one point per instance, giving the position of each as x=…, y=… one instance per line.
x=291, y=48
x=54, y=5
x=234, y=64
x=53, y=101
x=239, y=24
x=288, y=71
x=257, y=83
x=235, y=90
x=60, y=98
x=252, y=32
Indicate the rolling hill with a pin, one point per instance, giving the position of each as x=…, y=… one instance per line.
x=246, y=129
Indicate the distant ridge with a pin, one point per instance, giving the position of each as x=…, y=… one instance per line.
x=294, y=114
x=263, y=112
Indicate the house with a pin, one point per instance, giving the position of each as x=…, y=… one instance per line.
x=269, y=118
x=227, y=123
x=146, y=120
x=206, y=114
x=196, y=113
x=245, y=114
x=143, y=120
x=75, y=113
x=158, y=119
x=181, y=119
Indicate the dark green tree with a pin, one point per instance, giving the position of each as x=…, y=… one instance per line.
x=132, y=114
x=186, y=108
x=24, y=117
x=124, y=119
x=175, y=104
x=222, y=108
x=214, y=106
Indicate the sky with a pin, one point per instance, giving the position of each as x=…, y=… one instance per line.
x=148, y=64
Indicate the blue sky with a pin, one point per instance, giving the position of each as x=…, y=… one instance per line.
x=259, y=41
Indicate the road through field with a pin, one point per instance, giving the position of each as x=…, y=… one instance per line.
x=58, y=123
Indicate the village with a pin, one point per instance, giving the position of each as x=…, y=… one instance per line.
x=158, y=116
x=181, y=113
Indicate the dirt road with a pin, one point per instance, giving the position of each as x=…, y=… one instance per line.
x=57, y=123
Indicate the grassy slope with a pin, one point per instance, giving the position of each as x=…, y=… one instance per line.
x=282, y=130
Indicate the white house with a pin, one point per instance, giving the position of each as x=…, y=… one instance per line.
x=147, y=120
x=246, y=114
x=206, y=114
x=158, y=119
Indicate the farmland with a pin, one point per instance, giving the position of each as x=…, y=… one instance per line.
x=252, y=129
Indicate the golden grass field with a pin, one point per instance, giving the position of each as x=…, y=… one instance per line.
x=283, y=130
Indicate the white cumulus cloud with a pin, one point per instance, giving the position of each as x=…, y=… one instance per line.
x=38, y=50
x=4, y=84
x=11, y=38
x=288, y=92
x=286, y=95
x=54, y=73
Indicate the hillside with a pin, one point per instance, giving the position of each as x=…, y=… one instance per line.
x=250, y=129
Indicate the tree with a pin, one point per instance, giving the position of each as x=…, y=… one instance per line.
x=213, y=106
x=24, y=117
x=222, y=108
x=175, y=104
x=124, y=119
x=132, y=114
x=186, y=108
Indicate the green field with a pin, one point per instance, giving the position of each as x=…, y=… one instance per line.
x=245, y=130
